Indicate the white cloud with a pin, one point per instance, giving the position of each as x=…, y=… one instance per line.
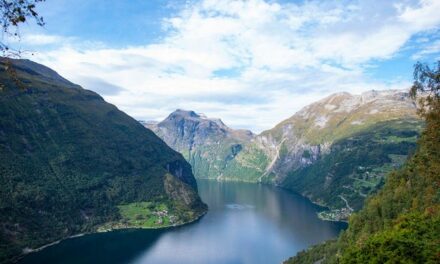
x=280, y=57
x=422, y=17
x=42, y=39
x=431, y=48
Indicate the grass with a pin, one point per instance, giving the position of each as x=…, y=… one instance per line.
x=146, y=214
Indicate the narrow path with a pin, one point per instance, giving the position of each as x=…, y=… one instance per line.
x=272, y=163
x=346, y=203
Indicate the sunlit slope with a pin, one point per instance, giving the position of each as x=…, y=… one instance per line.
x=399, y=224
x=335, y=151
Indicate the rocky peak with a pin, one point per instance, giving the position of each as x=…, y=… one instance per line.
x=193, y=124
x=183, y=130
x=191, y=121
x=318, y=125
x=180, y=113
x=338, y=108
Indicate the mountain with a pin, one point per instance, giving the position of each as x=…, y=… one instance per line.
x=335, y=151
x=338, y=150
x=72, y=163
x=401, y=223
x=301, y=139
x=208, y=144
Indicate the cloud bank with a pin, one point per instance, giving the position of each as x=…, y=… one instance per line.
x=253, y=63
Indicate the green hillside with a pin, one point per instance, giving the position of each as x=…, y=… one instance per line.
x=401, y=223
x=206, y=143
x=356, y=166
x=69, y=162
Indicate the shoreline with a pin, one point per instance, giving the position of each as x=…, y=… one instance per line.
x=27, y=251
x=331, y=220
x=149, y=228
x=322, y=206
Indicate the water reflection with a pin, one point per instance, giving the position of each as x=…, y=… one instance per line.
x=246, y=223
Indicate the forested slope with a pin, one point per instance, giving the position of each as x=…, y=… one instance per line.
x=401, y=223
x=68, y=159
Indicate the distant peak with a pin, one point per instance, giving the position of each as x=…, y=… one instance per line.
x=185, y=113
x=189, y=114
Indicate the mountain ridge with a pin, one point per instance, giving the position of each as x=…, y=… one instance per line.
x=302, y=142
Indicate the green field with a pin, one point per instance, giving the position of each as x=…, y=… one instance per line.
x=146, y=214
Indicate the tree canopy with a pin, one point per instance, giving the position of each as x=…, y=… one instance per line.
x=12, y=14
x=426, y=79
x=427, y=84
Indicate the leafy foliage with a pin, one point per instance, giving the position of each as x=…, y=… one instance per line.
x=426, y=80
x=413, y=239
x=15, y=12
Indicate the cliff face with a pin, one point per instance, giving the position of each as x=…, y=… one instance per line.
x=181, y=170
x=69, y=159
x=208, y=144
x=298, y=141
x=338, y=150
x=371, y=133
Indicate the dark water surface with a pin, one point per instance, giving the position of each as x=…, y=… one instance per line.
x=246, y=223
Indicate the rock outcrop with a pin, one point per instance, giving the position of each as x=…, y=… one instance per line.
x=337, y=128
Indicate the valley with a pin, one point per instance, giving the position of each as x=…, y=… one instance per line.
x=220, y=132
x=253, y=223
x=97, y=170
x=336, y=151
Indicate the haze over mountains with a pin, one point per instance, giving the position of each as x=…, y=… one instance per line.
x=295, y=153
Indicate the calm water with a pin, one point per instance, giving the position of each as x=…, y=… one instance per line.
x=246, y=223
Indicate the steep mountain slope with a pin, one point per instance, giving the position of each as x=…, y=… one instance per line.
x=208, y=144
x=401, y=223
x=355, y=167
x=300, y=140
x=335, y=151
x=338, y=150
x=70, y=163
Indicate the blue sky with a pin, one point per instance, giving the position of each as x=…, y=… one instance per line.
x=115, y=22
x=252, y=63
